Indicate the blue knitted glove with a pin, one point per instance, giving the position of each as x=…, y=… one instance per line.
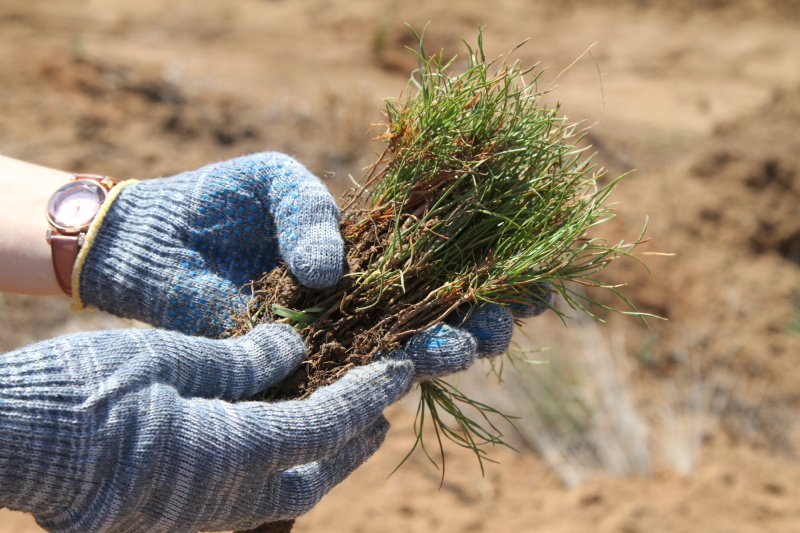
x=486, y=332
x=135, y=430
x=175, y=252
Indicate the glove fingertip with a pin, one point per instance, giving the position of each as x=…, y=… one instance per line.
x=278, y=350
x=492, y=325
x=300, y=488
x=318, y=263
x=373, y=437
x=441, y=350
x=536, y=305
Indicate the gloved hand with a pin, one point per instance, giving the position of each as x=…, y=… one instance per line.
x=175, y=252
x=136, y=430
x=485, y=331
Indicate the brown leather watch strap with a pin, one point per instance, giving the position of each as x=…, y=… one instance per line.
x=65, y=251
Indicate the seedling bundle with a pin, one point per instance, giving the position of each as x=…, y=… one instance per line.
x=481, y=194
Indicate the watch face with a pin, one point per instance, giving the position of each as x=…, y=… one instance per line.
x=73, y=207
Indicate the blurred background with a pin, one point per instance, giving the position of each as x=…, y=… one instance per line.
x=684, y=424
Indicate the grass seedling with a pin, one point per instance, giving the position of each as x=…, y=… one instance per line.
x=481, y=194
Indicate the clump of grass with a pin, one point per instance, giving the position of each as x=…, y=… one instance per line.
x=481, y=195
x=580, y=411
x=585, y=411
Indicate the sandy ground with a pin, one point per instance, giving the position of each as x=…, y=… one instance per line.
x=701, y=98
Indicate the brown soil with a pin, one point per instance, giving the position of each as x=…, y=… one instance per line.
x=701, y=98
x=345, y=333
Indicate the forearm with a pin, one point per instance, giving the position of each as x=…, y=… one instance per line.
x=25, y=261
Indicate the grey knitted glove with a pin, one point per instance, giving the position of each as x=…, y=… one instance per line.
x=136, y=430
x=175, y=252
x=486, y=332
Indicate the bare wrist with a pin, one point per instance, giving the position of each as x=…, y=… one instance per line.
x=25, y=260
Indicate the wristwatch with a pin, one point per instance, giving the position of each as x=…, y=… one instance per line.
x=70, y=212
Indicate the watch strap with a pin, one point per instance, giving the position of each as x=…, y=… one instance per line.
x=64, y=252
x=66, y=248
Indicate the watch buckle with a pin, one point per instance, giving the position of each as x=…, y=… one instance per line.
x=105, y=181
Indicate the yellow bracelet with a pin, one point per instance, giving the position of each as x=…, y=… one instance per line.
x=77, y=303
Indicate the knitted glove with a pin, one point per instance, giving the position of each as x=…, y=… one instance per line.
x=135, y=430
x=175, y=252
x=486, y=332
